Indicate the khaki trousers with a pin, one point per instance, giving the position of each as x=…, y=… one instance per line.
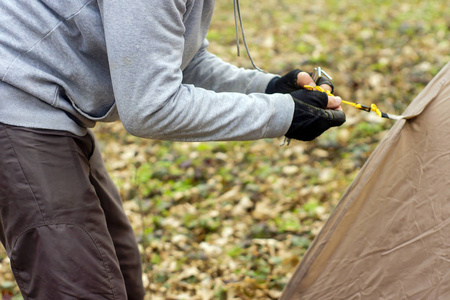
x=62, y=222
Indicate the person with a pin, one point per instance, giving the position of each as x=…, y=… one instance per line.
x=65, y=65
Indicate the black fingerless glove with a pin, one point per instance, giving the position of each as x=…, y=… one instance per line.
x=288, y=83
x=323, y=80
x=284, y=85
x=311, y=118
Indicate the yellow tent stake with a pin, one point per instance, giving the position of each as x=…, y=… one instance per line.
x=370, y=108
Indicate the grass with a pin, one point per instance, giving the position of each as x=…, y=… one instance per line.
x=232, y=220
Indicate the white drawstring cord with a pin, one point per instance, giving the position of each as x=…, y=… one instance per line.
x=237, y=15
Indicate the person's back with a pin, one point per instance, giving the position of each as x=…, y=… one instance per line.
x=53, y=65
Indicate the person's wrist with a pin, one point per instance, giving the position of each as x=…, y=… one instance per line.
x=270, y=89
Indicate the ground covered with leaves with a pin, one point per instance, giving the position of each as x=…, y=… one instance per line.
x=232, y=220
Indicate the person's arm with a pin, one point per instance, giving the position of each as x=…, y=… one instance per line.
x=210, y=72
x=145, y=44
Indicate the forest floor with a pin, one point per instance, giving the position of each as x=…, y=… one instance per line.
x=232, y=220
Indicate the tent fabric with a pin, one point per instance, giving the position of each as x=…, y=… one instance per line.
x=389, y=236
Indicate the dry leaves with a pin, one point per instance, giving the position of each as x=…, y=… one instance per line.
x=233, y=220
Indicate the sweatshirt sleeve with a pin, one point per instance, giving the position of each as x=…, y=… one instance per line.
x=210, y=72
x=145, y=44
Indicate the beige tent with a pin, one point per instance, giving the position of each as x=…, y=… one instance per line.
x=389, y=236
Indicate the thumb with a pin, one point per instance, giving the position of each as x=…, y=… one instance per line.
x=304, y=78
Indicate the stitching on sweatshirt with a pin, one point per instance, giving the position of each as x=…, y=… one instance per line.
x=44, y=37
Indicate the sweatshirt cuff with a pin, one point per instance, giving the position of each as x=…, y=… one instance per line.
x=282, y=116
x=259, y=83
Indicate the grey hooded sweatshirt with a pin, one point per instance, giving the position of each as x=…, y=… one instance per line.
x=65, y=65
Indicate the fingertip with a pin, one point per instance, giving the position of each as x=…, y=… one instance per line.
x=326, y=87
x=334, y=102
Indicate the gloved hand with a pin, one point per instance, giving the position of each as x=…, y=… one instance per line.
x=291, y=82
x=311, y=115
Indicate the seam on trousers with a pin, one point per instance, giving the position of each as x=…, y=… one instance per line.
x=17, y=276
x=24, y=175
x=73, y=146
x=106, y=269
x=93, y=146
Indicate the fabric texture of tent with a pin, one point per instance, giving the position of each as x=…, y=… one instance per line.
x=389, y=236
